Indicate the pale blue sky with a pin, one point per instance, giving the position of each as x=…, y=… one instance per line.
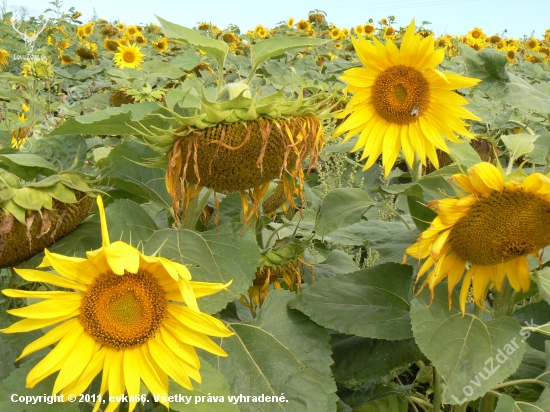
x=520, y=17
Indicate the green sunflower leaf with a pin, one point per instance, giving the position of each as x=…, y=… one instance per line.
x=507, y=404
x=27, y=166
x=210, y=396
x=267, y=49
x=360, y=359
x=281, y=352
x=373, y=302
x=215, y=48
x=342, y=207
x=472, y=356
x=15, y=384
x=221, y=255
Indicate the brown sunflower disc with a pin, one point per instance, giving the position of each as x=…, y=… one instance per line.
x=234, y=157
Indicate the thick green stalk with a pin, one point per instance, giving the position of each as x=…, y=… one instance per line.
x=437, y=391
x=416, y=169
x=504, y=304
x=488, y=403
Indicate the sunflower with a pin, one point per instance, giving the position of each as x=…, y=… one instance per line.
x=401, y=101
x=389, y=32
x=493, y=228
x=335, y=33
x=303, y=25
x=477, y=34
x=132, y=316
x=129, y=56
x=89, y=28
x=120, y=26
x=19, y=137
x=161, y=46
x=81, y=32
x=532, y=44
x=369, y=30
x=260, y=31
x=140, y=39
x=290, y=22
x=66, y=60
x=131, y=31
x=4, y=57
x=111, y=45
x=359, y=30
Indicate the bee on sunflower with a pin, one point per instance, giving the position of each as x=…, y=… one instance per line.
x=402, y=102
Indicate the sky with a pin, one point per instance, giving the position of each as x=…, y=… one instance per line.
x=519, y=17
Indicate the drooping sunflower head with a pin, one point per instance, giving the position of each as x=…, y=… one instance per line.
x=129, y=56
x=493, y=228
x=135, y=318
x=240, y=143
x=401, y=102
x=290, y=22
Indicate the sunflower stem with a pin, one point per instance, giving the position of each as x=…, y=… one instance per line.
x=503, y=304
x=416, y=169
x=460, y=408
x=437, y=390
x=488, y=403
x=547, y=167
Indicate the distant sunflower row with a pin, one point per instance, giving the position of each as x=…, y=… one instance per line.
x=81, y=44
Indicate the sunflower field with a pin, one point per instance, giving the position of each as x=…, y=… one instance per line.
x=296, y=218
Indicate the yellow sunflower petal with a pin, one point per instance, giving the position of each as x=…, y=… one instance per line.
x=51, y=308
x=486, y=178
x=76, y=362
x=38, y=276
x=73, y=268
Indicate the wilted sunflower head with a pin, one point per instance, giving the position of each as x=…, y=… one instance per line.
x=493, y=229
x=230, y=38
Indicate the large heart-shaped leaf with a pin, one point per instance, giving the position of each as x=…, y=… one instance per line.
x=215, y=48
x=342, y=207
x=372, y=302
x=472, y=356
x=281, y=352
